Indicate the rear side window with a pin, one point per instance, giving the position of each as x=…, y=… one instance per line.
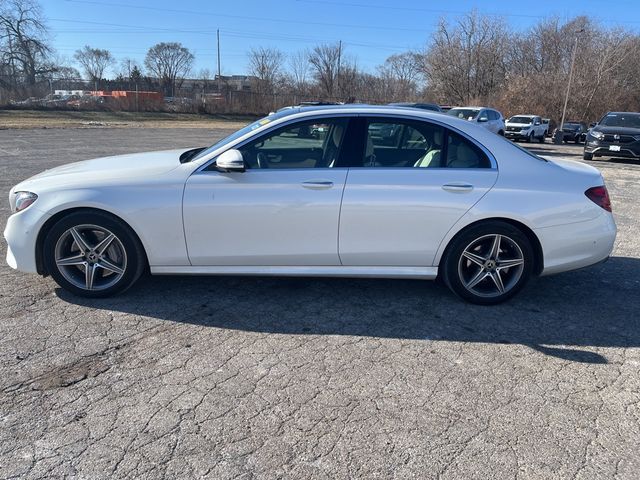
x=398, y=143
x=395, y=143
x=461, y=153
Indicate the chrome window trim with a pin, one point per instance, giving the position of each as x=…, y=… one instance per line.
x=241, y=143
x=329, y=114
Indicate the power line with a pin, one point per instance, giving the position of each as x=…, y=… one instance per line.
x=244, y=17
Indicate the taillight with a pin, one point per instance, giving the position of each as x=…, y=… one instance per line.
x=599, y=196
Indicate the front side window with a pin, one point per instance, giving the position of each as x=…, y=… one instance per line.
x=309, y=144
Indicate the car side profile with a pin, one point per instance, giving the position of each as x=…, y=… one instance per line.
x=374, y=192
x=485, y=117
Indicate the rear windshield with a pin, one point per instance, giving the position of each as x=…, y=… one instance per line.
x=526, y=120
x=631, y=120
x=464, y=113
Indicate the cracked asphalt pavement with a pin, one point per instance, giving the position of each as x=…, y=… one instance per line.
x=214, y=377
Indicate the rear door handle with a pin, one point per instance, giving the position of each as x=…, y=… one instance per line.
x=317, y=185
x=457, y=187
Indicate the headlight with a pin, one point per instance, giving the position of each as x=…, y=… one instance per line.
x=637, y=137
x=597, y=135
x=23, y=200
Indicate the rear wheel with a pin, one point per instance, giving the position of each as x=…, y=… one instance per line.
x=93, y=254
x=488, y=263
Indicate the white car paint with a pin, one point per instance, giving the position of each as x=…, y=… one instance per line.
x=368, y=222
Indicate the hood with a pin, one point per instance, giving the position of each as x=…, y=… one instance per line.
x=105, y=170
x=618, y=130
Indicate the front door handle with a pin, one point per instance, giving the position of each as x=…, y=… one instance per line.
x=317, y=185
x=457, y=187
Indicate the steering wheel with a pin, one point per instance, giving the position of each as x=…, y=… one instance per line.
x=263, y=162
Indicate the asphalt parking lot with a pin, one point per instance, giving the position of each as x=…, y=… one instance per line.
x=316, y=378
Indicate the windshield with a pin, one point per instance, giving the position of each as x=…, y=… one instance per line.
x=243, y=131
x=464, y=113
x=629, y=120
x=572, y=125
x=526, y=120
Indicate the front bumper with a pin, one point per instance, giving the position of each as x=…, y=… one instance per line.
x=21, y=235
x=516, y=135
x=603, y=149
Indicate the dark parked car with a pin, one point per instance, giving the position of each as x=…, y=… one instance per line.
x=573, y=131
x=424, y=106
x=617, y=134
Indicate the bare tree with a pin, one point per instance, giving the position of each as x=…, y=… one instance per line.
x=94, y=62
x=466, y=61
x=325, y=62
x=24, y=50
x=170, y=63
x=299, y=67
x=401, y=72
x=266, y=65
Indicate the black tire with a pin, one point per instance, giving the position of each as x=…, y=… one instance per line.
x=530, y=138
x=501, y=133
x=459, y=272
x=587, y=156
x=113, y=270
x=542, y=139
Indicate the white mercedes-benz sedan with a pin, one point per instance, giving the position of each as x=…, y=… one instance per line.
x=351, y=191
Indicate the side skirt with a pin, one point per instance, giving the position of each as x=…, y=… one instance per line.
x=427, y=273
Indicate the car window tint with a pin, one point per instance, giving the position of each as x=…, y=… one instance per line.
x=310, y=144
x=399, y=144
x=461, y=153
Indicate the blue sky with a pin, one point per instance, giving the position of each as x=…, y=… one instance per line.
x=371, y=30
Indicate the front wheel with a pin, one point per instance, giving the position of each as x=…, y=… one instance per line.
x=587, y=156
x=93, y=254
x=488, y=263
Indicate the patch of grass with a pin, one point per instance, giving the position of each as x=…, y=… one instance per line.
x=25, y=119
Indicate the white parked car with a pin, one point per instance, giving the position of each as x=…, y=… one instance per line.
x=487, y=118
x=387, y=192
x=526, y=127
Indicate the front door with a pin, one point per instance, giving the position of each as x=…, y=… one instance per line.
x=282, y=211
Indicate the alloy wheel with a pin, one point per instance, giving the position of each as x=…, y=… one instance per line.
x=491, y=265
x=90, y=257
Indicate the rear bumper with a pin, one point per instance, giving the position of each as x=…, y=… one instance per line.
x=577, y=245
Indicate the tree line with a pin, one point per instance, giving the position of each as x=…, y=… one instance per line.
x=475, y=59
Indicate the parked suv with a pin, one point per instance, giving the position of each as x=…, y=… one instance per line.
x=488, y=118
x=617, y=134
x=526, y=127
x=574, y=132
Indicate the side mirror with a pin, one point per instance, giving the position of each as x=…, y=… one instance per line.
x=592, y=124
x=230, y=161
x=537, y=123
x=483, y=119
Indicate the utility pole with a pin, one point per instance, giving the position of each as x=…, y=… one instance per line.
x=219, y=73
x=559, y=137
x=339, y=62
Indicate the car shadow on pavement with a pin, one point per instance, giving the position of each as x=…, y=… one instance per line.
x=558, y=315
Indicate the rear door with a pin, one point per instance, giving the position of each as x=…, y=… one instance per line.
x=397, y=213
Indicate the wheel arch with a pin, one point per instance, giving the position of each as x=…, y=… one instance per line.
x=527, y=231
x=46, y=227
